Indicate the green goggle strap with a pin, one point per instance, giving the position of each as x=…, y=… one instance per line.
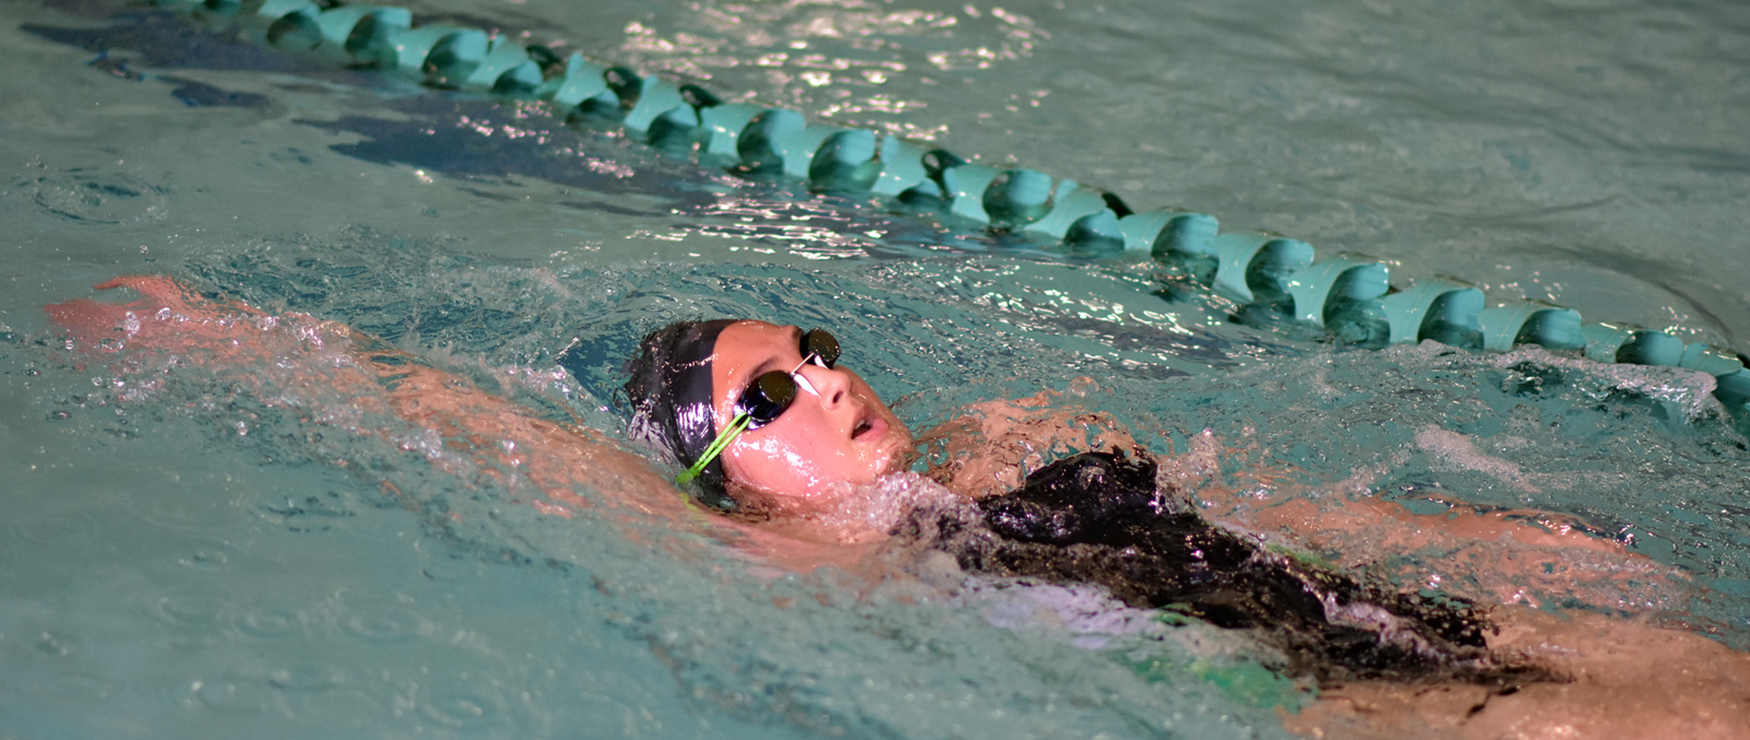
x=717, y=446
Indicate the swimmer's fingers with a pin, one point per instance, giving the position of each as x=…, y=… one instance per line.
x=158, y=291
x=162, y=303
x=1564, y=524
x=103, y=325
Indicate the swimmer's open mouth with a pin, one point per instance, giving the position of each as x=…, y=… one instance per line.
x=867, y=427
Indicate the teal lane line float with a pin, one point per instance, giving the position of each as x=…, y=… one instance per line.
x=1348, y=294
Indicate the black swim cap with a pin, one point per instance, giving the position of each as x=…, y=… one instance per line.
x=670, y=396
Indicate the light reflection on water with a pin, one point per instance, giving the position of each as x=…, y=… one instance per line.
x=853, y=53
x=789, y=225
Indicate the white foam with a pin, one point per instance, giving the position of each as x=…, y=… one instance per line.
x=878, y=507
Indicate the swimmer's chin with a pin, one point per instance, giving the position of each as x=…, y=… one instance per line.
x=899, y=452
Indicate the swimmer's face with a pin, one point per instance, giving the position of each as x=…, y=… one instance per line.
x=835, y=432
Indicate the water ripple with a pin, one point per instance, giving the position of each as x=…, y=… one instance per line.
x=467, y=707
x=68, y=528
x=181, y=511
x=237, y=695
x=272, y=623
x=210, y=556
x=92, y=194
x=387, y=623
x=191, y=611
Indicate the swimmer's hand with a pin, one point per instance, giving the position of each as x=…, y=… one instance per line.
x=165, y=314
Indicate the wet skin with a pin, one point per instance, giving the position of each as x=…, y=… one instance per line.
x=836, y=434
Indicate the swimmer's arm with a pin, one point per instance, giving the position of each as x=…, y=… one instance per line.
x=1460, y=523
x=507, y=439
x=502, y=438
x=1267, y=498
x=1494, y=556
x=991, y=448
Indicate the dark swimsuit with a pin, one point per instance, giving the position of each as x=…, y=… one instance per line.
x=1099, y=518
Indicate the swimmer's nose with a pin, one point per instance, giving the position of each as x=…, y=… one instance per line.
x=829, y=385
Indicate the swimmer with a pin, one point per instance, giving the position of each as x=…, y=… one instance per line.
x=773, y=430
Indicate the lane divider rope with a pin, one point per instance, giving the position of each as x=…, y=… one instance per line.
x=1349, y=294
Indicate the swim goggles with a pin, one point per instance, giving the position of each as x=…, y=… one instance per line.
x=768, y=397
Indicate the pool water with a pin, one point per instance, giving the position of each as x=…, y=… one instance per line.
x=209, y=552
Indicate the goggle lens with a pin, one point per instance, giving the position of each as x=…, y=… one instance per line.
x=767, y=397
x=818, y=343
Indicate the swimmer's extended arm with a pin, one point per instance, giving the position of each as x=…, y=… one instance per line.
x=1492, y=556
x=498, y=436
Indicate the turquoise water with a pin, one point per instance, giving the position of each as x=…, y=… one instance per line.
x=170, y=573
